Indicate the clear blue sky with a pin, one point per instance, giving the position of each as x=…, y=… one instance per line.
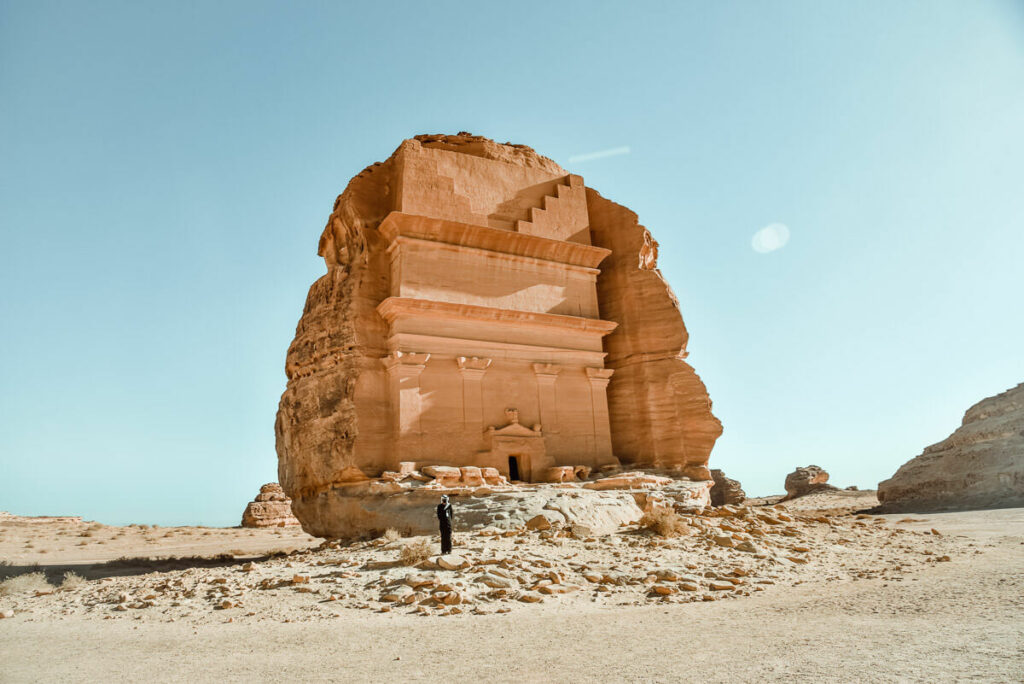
x=166, y=169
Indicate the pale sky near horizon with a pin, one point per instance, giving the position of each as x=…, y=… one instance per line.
x=166, y=170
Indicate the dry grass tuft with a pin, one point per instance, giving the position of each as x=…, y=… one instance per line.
x=72, y=580
x=415, y=552
x=21, y=584
x=664, y=522
x=391, y=535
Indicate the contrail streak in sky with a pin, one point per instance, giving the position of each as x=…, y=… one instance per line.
x=612, y=152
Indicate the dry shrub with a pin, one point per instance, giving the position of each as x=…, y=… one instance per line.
x=21, y=584
x=391, y=535
x=72, y=580
x=415, y=551
x=664, y=522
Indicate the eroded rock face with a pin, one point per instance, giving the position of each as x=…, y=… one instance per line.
x=726, y=490
x=271, y=508
x=805, y=480
x=980, y=465
x=482, y=308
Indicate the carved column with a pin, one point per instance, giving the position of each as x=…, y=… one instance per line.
x=472, y=371
x=599, y=378
x=404, y=369
x=547, y=374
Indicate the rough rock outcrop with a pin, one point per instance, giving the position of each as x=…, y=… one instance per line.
x=806, y=480
x=726, y=490
x=483, y=308
x=270, y=508
x=980, y=465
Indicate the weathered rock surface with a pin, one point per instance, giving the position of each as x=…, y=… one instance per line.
x=803, y=481
x=363, y=510
x=980, y=465
x=483, y=309
x=726, y=490
x=271, y=508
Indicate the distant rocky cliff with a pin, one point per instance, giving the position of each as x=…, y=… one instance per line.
x=981, y=465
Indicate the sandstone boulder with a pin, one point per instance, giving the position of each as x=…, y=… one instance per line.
x=805, y=480
x=980, y=465
x=271, y=508
x=726, y=491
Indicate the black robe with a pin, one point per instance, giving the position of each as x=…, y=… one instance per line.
x=444, y=519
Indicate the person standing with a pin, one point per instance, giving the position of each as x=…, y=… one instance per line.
x=444, y=519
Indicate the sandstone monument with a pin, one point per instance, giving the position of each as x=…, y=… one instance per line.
x=485, y=317
x=271, y=508
x=980, y=465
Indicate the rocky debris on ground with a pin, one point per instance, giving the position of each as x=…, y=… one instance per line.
x=725, y=490
x=406, y=501
x=270, y=508
x=980, y=465
x=729, y=552
x=805, y=480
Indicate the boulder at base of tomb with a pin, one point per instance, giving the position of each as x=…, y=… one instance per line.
x=271, y=508
x=726, y=490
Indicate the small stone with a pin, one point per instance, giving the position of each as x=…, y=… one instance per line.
x=452, y=562
x=717, y=585
x=538, y=522
x=530, y=597
x=4, y=614
x=724, y=541
x=663, y=589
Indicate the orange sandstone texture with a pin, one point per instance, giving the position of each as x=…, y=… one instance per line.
x=270, y=508
x=482, y=307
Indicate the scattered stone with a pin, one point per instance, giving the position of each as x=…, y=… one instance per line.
x=451, y=562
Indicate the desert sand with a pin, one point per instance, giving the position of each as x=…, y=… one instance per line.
x=875, y=598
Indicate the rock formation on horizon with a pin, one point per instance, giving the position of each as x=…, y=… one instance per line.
x=482, y=307
x=805, y=480
x=980, y=465
x=270, y=508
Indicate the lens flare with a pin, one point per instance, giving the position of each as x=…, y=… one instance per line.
x=770, y=238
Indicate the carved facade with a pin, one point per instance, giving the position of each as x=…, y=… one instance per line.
x=480, y=307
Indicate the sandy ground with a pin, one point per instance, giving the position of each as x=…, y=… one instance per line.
x=871, y=602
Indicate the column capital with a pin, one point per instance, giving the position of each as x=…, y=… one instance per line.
x=599, y=375
x=472, y=367
x=542, y=369
x=406, y=363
